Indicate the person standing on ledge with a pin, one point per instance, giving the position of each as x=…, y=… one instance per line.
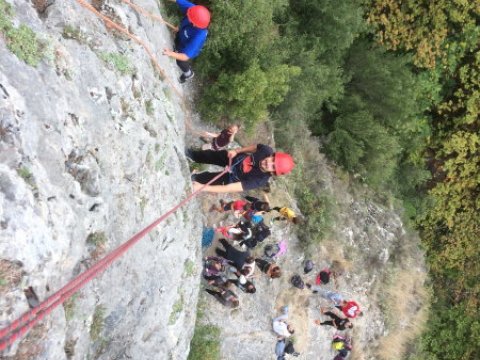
x=251, y=168
x=190, y=37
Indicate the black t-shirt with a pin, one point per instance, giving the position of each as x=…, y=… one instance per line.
x=251, y=176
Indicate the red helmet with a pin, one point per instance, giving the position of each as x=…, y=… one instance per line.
x=199, y=16
x=283, y=163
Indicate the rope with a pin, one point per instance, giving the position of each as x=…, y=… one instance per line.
x=110, y=23
x=20, y=326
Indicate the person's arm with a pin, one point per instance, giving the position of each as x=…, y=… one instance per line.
x=242, y=150
x=229, y=188
x=209, y=134
x=175, y=55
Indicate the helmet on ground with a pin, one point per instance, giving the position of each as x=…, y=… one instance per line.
x=283, y=163
x=199, y=16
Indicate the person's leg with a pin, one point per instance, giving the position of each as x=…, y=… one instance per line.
x=331, y=315
x=205, y=177
x=327, y=323
x=221, y=253
x=187, y=72
x=276, y=208
x=212, y=292
x=219, y=158
x=226, y=245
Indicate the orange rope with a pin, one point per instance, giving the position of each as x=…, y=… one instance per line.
x=150, y=15
x=110, y=23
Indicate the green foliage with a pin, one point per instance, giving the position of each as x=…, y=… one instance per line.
x=205, y=344
x=26, y=175
x=97, y=324
x=176, y=310
x=97, y=238
x=69, y=307
x=248, y=95
x=119, y=62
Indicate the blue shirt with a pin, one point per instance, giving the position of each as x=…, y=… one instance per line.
x=190, y=38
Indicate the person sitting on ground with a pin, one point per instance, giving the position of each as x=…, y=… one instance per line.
x=239, y=232
x=258, y=205
x=270, y=268
x=252, y=167
x=286, y=214
x=349, y=308
x=235, y=257
x=284, y=347
x=243, y=284
x=334, y=297
x=281, y=327
x=343, y=345
x=214, y=270
x=222, y=139
x=238, y=207
x=226, y=297
x=248, y=269
x=337, y=322
x=190, y=37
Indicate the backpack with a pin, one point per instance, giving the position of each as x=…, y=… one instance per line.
x=271, y=250
x=323, y=277
x=297, y=281
x=308, y=266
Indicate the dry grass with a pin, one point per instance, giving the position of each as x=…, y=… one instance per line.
x=406, y=303
x=340, y=265
x=10, y=275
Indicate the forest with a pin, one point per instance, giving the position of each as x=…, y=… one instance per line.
x=391, y=91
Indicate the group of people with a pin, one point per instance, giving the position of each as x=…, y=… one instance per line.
x=233, y=265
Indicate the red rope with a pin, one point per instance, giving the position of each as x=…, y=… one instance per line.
x=19, y=327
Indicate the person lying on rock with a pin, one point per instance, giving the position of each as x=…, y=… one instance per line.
x=334, y=297
x=190, y=37
x=337, y=322
x=270, y=268
x=252, y=167
x=235, y=257
x=225, y=297
x=281, y=327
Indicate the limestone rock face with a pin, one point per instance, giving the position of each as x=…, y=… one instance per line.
x=90, y=153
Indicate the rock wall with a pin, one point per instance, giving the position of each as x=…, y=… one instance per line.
x=90, y=153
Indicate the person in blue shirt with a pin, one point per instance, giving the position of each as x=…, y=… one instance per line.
x=190, y=37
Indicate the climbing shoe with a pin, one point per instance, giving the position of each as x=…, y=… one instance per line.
x=184, y=77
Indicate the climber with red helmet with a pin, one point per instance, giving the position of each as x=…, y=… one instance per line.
x=190, y=37
x=251, y=168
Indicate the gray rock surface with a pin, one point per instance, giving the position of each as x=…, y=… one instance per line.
x=86, y=150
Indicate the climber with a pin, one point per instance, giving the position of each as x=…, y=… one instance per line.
x=337, y=322
x=252, y=167
x=220, y=140
x=190, y=36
